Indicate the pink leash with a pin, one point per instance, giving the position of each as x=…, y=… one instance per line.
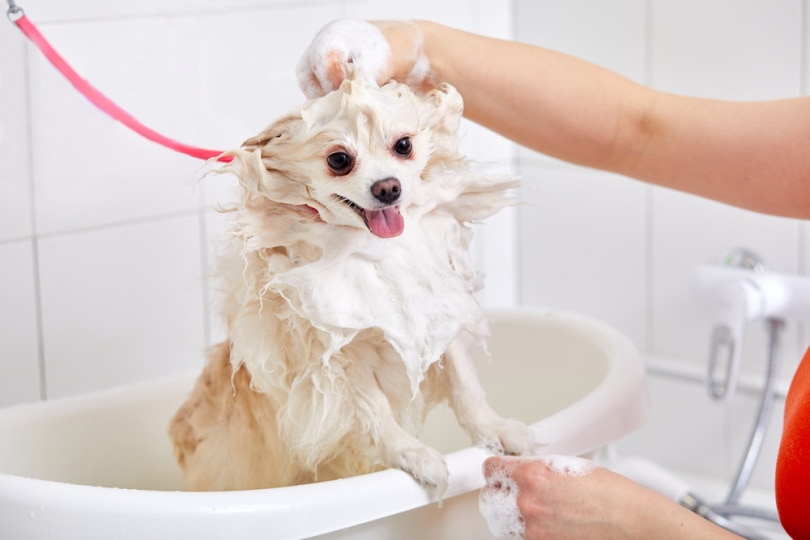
x=17, y=16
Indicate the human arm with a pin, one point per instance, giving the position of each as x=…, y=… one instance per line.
x=749, y=154
x=597, y=504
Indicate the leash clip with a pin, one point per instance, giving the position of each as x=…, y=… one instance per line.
x=14, y=12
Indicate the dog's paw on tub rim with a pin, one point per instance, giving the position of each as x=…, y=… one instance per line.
x=513, y=438
x=540, y=438
x=427, y=467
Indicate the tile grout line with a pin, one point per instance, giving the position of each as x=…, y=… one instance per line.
x=35, y=262
x=123, y=223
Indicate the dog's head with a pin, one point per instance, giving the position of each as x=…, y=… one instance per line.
x=357, y=156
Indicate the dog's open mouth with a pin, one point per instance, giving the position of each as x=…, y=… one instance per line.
x=384, y=222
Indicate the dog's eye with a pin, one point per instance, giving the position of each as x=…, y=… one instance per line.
x=340, y=163
x=403, y=147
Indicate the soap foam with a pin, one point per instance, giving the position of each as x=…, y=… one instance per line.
x=498, y=500
x=345, y=41
x=498, y=504
x=568, y=465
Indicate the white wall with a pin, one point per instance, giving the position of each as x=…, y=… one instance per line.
x=621, y=251
x=105, y=238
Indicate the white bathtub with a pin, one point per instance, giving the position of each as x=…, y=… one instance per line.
x=100, y=466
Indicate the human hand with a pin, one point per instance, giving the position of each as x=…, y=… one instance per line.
x=555, y=497
x=561, y=498
x=382, y=50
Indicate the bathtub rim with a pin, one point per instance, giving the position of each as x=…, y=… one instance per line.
x=351, y=501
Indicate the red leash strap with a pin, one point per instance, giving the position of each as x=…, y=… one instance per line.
x=98, y=99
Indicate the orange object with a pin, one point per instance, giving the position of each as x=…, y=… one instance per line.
x=793, y=462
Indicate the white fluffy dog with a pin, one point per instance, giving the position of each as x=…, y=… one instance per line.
x=349, y=298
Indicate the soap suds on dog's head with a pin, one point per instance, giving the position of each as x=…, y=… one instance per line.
x=498, y=501
x=337, y=44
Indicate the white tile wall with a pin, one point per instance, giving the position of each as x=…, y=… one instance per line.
x=583, y=245
x=89, y=170
x=48, y=11
x=458, y=13
x=248, y=64
x=686, y=431
x=121, y=304
x=15, y=187
x=806, y=66
x=118, y=233
x=611, y=34
x=731, y=49
x=19, y=367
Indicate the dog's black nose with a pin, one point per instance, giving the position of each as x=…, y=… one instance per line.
x=387, y=190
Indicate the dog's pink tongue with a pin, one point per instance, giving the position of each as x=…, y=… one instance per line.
x=385, y=223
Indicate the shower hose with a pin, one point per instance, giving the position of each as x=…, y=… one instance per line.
x=731, y=506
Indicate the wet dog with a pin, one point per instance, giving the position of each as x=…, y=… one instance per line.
x=348, y=297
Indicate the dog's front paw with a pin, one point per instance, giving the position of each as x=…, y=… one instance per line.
x=427, y=466
x=507, y=436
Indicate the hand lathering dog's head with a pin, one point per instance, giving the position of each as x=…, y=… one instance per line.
x=358, y=155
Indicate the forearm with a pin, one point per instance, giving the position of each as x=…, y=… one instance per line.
x=748, y=154
x=752, y=155
x=542, y=99
x=651, y=515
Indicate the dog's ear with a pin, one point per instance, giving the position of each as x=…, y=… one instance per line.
x=258, y=141
x=442, y=110
x=445, y=107
x=263, y=165
x=276, y=131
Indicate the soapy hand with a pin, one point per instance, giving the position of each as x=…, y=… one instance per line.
x=542, y=497
x=564, y=497
x=382, y=50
